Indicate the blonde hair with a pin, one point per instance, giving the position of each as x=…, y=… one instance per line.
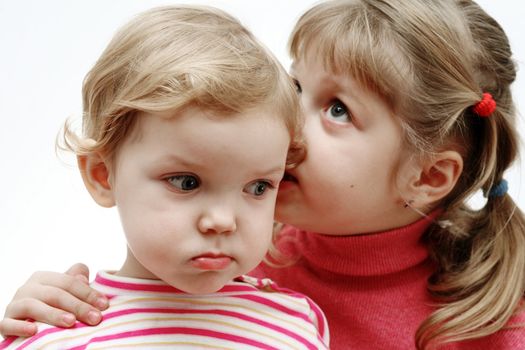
x=431, y=61
x=169, y=58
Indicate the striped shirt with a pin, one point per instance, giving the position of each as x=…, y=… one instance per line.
x=247, y=313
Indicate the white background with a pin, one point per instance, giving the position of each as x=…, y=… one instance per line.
x=47, y=220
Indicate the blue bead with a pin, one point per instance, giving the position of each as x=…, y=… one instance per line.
x=500, y=189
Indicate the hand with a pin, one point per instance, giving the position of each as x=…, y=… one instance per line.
x=55, y=298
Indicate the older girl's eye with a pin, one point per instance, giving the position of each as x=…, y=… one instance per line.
x=257, y=188
x=184, y=182
x=337, y=111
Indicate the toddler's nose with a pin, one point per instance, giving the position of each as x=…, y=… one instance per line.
x=217, y=220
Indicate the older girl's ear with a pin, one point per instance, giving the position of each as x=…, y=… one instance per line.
x=96, y=176
x=436, y=178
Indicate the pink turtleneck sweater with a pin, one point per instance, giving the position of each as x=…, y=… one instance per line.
x=371, y=287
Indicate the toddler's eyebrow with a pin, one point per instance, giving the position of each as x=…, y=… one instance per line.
x=169, y=159
x=277, y=170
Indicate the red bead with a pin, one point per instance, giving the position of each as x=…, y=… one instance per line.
x=486, y=106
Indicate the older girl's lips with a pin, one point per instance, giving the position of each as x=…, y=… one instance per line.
x=288, y=178
x=287, y=182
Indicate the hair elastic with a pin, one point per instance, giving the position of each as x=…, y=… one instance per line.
x=486, y=106
x=499, y=190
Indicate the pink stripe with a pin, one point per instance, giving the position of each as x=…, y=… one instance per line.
x=49, y=331
x=6, y=342
x=230, y=288
x=273, y=305
x=316, y=309
x=163, y=288
x=321, y=320
x=319, y=315
x=177, y=330
x=136, y=286
x=291, y=312
x=214, y=312
x=177, y=311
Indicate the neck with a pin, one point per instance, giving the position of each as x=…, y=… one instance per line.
x=134, y=269
x=368, y=254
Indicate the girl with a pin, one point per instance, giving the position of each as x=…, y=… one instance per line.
x=408, y=112
x=177, y=114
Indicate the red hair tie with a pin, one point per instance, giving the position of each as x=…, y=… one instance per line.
x=486, y=106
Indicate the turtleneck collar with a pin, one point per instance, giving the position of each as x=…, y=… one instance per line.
x=377, y=253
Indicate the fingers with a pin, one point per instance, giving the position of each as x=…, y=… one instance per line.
x=55, y=298
x=17, y=328
x=79, y=271
x=19, y=309
x=50, y=287
x=59, y=302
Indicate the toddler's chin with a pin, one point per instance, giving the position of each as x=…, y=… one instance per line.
x=208, y=287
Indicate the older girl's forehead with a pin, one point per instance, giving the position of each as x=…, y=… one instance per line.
x=325, y=81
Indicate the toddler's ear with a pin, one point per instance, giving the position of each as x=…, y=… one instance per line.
x=95, y=173
x=437, y=178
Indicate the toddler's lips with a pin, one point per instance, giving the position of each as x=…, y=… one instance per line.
x=211, y=262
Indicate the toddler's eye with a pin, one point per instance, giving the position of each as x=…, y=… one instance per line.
x=339, y=112
x=257, y=188
x=184, y=182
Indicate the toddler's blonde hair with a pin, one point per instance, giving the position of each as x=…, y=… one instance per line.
x=172, y=57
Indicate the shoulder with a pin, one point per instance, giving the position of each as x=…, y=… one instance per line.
x=47, y=337
x=295, y=306
x=267, y=288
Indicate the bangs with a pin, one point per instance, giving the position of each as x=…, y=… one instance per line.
x=353, y=40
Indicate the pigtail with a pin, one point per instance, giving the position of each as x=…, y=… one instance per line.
x=480, y=283
x=481, y=280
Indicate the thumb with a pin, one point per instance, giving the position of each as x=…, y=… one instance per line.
x=79, y=271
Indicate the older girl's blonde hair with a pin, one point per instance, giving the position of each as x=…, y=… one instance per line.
x=169, y=58
x=431, y=61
